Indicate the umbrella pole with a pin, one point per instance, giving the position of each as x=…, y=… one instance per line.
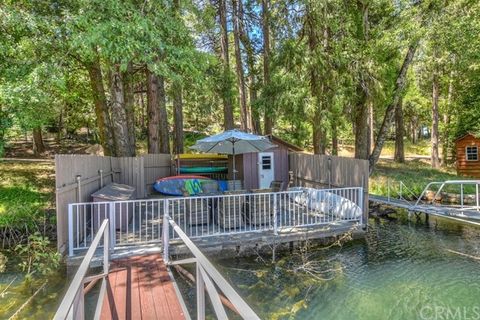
x=234, y=171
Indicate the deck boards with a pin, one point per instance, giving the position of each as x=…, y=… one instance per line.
x=140, y=288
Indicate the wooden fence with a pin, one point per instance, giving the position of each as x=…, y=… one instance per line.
x=78, y=176
x=323, y=171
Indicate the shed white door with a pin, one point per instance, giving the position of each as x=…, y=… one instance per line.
x=265, y=169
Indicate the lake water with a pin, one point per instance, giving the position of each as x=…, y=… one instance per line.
x=404, y=269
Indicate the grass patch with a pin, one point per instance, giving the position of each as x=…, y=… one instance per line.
x=26, y=197
x=415, y=174
x=421, y=148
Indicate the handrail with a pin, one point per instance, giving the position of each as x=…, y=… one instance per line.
x=442, y=185
x=72, y=304
x=205, y=269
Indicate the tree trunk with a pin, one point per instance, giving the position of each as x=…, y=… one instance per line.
x=361, y=123
x=389, y=112
x=244, y=112
x=434, y=137
x=399, y=133
x=334, y=138
x=228, y=122
x=446, y=123
x=157, y=138
x=153, y=113
x=317, y=87
x=247, y=44
x=162, y=103
x=119, y=114
x=371, y=127
x=38, y=146
x=130, y=107
x=268, y=121
x=177, y=118
x=361, y=106
x=105, y=131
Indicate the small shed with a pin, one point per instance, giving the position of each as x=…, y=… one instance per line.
x=468, y=161
x=258, y=170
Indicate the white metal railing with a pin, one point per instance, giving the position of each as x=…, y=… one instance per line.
x=207, y=278
x=136, y=222
x=459, y=183
x=72, y=305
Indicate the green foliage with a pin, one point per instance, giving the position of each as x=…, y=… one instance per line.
x=26, y=191
x=38, y=256
x=414, y=174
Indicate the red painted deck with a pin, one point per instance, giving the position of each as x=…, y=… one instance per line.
x=140, y=288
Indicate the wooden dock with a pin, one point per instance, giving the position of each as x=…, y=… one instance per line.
x=140, y=287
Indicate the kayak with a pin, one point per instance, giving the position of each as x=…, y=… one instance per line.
x=326, y=202
x=202, y=156
x=203, y=169
x=181, y=185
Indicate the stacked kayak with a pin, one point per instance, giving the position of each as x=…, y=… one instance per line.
x=181, y=185
x=203, y=169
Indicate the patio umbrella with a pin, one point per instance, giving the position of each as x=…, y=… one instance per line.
x=233, y=142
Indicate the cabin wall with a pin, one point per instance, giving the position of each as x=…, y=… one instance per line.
x=464, y=167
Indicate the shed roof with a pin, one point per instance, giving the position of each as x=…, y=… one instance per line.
x=466, y=135
x=290, y=146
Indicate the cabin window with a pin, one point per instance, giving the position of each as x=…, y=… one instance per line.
x=472, y=153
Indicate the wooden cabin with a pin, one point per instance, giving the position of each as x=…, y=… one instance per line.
x=258, y=170
x=468, y=159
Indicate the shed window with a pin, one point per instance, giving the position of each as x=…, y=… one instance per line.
x=472, y=153
x=266, y=162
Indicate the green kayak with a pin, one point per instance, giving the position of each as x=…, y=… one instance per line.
x=203, y=169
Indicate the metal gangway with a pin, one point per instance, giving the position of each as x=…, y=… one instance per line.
x=463, y=206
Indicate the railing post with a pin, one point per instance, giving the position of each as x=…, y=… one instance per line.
x=388, y=189
x=70, y=230
x=166, y=231
x=200, y=294
x=275, y=215
x=106, y=249
x=401, y=190
x=111, y=221
x=477, y=198
x=360, y=204
x=461, y=194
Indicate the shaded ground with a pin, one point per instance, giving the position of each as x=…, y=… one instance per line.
x=23, y=150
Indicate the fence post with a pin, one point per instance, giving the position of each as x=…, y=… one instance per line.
x=275, y=215
x=200, y=294
x=111, y=220
x=100, y=173
x=166, y=230
x=79, y=186
x=70, y=229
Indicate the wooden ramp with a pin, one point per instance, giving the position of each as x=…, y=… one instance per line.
x=140, y=287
